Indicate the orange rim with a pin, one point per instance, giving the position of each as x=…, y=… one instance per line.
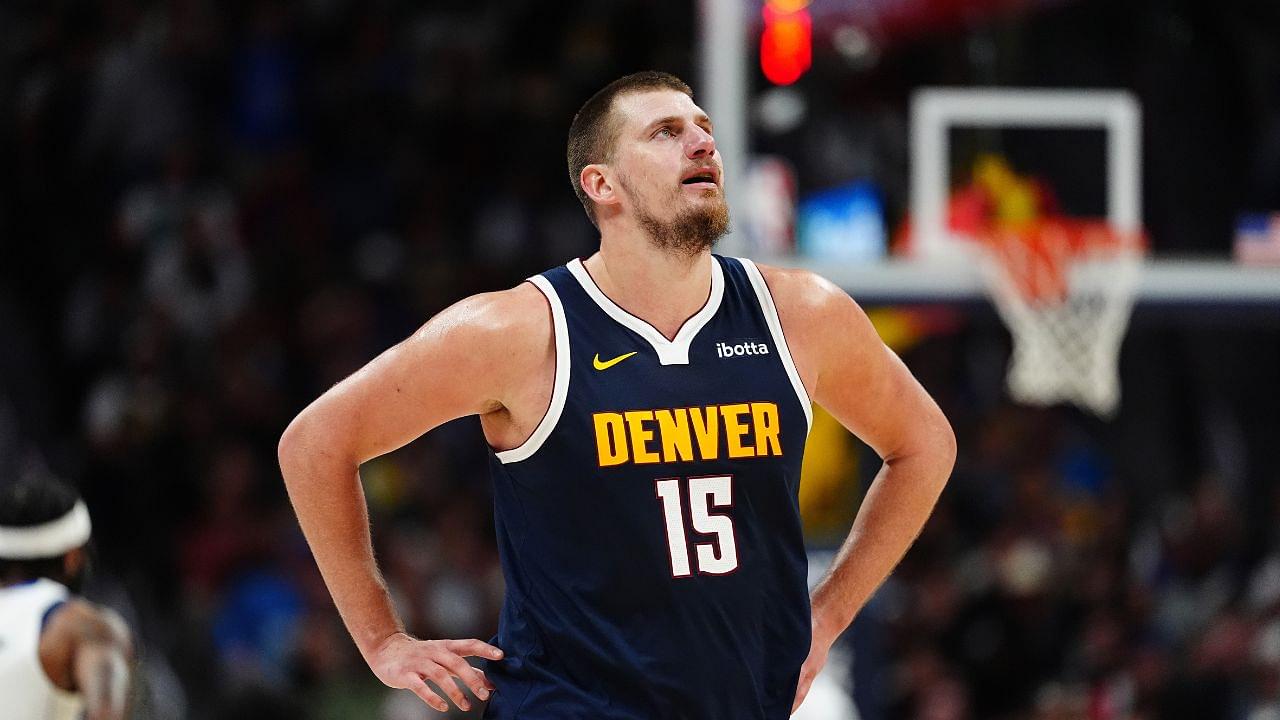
x=1037, y=257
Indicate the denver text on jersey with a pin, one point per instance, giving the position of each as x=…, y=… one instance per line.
x=750, y=430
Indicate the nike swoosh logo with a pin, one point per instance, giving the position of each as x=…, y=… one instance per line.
x=609, y=363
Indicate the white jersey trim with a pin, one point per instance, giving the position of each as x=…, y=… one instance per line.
x=775, y=329
x=670, y=352
x=560, y=389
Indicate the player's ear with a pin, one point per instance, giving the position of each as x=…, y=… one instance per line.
x=73, y=561
x=597, y=183
x=73, y=564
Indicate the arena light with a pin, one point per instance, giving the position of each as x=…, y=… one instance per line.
x=786, y=45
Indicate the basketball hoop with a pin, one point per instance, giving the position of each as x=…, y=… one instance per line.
x=1065, y=289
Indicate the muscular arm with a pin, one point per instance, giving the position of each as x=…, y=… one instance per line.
x=863, y=384
x=87, y=649
x=464, y=361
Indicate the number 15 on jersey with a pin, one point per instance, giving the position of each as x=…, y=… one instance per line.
x=719, y=557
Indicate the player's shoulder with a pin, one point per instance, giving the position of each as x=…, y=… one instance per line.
x=510, y=323
x=516, y=315
x=79, y=619
x=803, y=295
x=825, y=328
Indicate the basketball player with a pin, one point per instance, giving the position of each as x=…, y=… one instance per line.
x=60, y=656
x=647, y=408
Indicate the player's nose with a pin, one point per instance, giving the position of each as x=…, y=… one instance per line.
x=701, y=144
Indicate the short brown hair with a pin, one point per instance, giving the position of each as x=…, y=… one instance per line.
x=594, y=128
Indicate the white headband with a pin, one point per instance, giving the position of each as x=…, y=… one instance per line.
x=46, y=540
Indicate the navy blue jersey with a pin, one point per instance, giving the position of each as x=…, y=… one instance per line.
x=649, y=528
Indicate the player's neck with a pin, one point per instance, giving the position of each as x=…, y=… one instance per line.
x=662, y=288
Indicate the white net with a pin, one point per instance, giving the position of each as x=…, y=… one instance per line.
x=1066, y=344
x=1068, y=311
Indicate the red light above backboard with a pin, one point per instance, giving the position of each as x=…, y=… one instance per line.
x=786, y=45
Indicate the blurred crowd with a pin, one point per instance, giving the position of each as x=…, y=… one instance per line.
x=211, y=212
x=1046, y=588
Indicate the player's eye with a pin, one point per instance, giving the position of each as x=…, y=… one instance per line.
x=664, y=131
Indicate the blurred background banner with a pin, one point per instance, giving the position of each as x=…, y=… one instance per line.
x=211, y=212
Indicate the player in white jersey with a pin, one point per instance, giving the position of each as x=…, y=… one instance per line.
x=61, y=657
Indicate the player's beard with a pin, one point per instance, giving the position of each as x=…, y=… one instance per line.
x=693, y=229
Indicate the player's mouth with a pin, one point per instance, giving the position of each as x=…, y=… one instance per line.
x=705, y=178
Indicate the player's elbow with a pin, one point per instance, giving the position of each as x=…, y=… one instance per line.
x=942, y=446
x=931, y=446
x=293, y=449
x=288, y=448
x=315, y=445
x=948, y=447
